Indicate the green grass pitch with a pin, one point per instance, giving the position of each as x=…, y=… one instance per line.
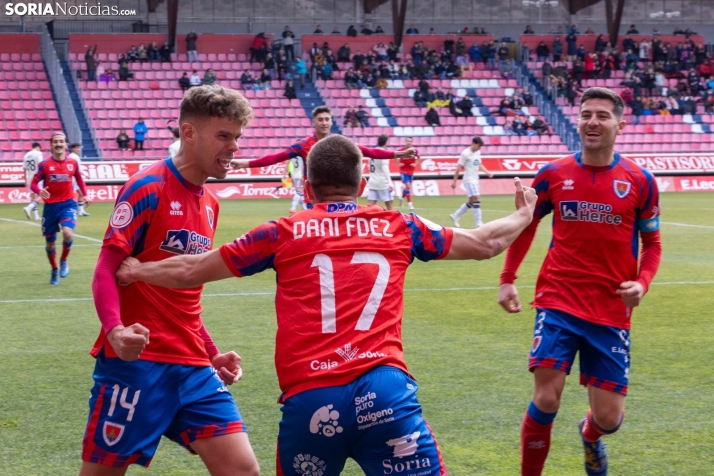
x=468, y=355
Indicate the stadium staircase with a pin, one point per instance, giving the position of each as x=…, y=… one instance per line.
x=310, y=98
x=553, y=114
x=88, y=150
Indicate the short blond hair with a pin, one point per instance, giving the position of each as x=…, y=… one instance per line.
x=204, y=102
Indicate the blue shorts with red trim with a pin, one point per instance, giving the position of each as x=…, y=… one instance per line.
x=134, y=403
x=604, y=350
x=406, y=178
x=376, y=420
x=58, y=215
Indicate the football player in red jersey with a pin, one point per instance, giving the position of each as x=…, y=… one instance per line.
x=298, y=152
x=407, y=166
x=60, y=210
x=341, y=270
x=157, y=370
x=590, y=280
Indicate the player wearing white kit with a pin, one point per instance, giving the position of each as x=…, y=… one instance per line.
x=380, y=185
x=296, y=170
x=29, y=165
x=76, y=150
x=470, y=163
x=176, y=144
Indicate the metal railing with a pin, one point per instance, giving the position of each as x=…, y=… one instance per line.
x=56, y=78
x=85, y=110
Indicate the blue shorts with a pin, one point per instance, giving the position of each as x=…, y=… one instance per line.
x=134, y=403
x=406, y=178
x=58, y=215
x=376, y=420
x=604, y=351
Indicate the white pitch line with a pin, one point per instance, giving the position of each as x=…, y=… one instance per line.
x=687, y=224
x=480, y=288
x=43, y=246
x=35, y=224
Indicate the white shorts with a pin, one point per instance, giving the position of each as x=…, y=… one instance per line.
x=472, y=189
x=380, y=195
x=297, y=182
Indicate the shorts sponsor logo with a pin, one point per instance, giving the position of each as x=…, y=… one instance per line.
x=575, y=210
x=309, y=465
x=185, y=242
x=375, y=418
x=112, y=433
x=621, y=187
x=405, y=447
x=122, y=216
x=324, y=421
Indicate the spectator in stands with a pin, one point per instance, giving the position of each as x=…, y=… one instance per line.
x=462, y=61
x=123, y=140
x=430, y=98
x=107, y=76
x=508, y=128
x=405, y=70
x=527, y=98
x=392, y=51
x=682, y=88
x=140, y=131
x=335, y=31
x=637, y=109
x=557, y=49
x=570, y=92
x=419, y=98
x=290, y=90
x=153, y=52
x=432, y=31
x=449, y=46
x=547, y=68
x=600, y=43
x=518, y=126
x=326, y=71
x=246, y=80
x=366, y=30
x=343, y=54
x=259, y=43
x=693, y=82
x=124, y=73
x=363, y=116
x=412, y=30
x=529, y=30
x=357, y=59
x=708, y=102
x=507, y=70
x=191, y=47
x=269, y=64
x=165, y=52
x=265, y=79
x=185, y=82
x=578, y=72
x=318, y=30
x=540, y=126
x=432, y=117
x=381, y=51
x=626, y=95
x=460, y=47
x=195, y=79
x=648, y=80
x=452, y=70
x=379, y=30
x=542, y=51
x=209, y=77
x=628, y=43
x=301, y=71
x=393, y=69
x=633, y=30
x=289, y=43
x=465, y=106
x=351, y=79
x=503, y=55
x=142, y=54
x=352, y=31
x=90, y=57
x=572, y=42
x=351, y=119
x=417, y=52
x=100, y=69
x=475, y=53
x=133, y=54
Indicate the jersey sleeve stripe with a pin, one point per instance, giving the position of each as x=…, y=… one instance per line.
x=650, y=188
x=426, y=244
x=137, y=184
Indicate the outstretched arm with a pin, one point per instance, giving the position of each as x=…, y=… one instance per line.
x=187, y=271
x=493, y=238
x=260, y=162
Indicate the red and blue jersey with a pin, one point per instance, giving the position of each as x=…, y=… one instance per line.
x=340, y=297
x=57, y=177
x=599, y=214
x=407, y=166
x=302, y=147
x=158, y=215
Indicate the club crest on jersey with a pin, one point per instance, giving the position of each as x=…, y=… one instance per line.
x=621, y=187
x=70, y=167
x=210, y=216
x=112, y=433
x=185, y=242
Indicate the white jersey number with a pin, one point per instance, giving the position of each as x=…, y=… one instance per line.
x=327, y=289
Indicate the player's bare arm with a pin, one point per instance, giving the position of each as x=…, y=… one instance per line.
x=405, y=154
x=187, y=271
x=459, y=168
x=508, y=298
x=483, y=169
x=494, y=237
x=128, y=342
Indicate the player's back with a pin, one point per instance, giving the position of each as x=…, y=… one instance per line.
x=31, y=162
x=340, y=272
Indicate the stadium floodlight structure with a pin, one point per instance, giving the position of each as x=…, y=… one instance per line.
x=539, y=4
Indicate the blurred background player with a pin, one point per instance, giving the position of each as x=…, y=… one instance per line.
x=153, y=347
x=60, y=210
x=360, y=253
x=380, y=186
x=407, y=166
x=30, y=164
x=322, y=122
x=76, y=154
x=589, y=282
x=176, y=144
x=470, y=163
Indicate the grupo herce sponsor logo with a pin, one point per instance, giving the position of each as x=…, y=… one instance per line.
x=185, y=242
x=575, y=210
